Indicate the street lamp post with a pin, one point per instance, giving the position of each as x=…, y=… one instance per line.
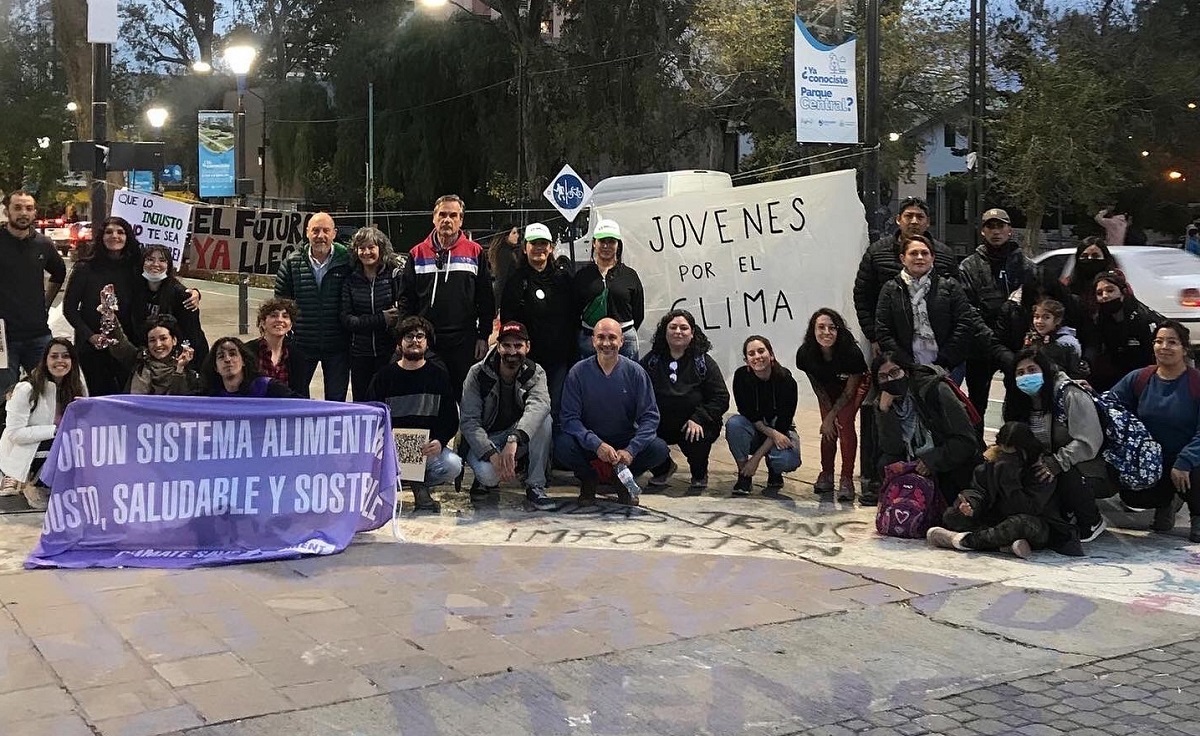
x=157, y=117
x=240, y=56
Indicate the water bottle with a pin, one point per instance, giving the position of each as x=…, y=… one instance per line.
x=625, y=475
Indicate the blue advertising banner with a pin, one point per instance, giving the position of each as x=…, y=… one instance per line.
x=142, y=181
x=826, y=89
x=217, y=172
x=177, y=482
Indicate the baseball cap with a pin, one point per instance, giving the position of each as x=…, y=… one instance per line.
x=996, y=213
x=513, y=329
x=537, y=231
x=606, y=229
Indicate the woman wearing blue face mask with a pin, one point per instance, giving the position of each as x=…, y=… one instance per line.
x=1064, y=419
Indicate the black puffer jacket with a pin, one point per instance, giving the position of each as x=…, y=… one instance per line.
x=544, y=301
x=363, y=302
x=1115, y=347
x=954, y=321
x=879, y=265
x=318, y=330
x=983, y=288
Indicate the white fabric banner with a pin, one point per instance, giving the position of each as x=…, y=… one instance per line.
x=156, y=220
x=826, y=90
x=750, y=260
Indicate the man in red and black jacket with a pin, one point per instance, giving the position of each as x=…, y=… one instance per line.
x=447, y=281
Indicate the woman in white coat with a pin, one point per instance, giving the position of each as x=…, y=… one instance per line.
x=34, y=410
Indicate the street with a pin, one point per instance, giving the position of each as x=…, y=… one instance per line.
x=689, y=615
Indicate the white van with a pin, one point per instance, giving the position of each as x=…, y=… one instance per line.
x=634, y=187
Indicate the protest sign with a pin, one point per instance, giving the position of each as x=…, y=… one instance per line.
x=155, y=220
x=244, y=240
x=161, y=481
x=409, y=455
x=749, y=260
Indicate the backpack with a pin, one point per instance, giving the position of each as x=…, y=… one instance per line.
x=908, y=504
x=972, y=412
x=1128, y=447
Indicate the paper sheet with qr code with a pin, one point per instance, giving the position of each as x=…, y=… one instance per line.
x=408, y=453
x=3, y=347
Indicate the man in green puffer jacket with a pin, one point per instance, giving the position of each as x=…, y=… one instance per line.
x=312, y=276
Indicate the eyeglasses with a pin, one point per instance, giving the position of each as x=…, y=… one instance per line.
x=415, y=337
x=892, y=375
x=674, y=368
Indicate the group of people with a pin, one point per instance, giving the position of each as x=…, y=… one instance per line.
x=931, y=324
x=567, y=383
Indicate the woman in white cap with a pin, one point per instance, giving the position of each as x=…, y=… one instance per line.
x=606, y=287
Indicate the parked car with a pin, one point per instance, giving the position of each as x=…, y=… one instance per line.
x=79, y=237
x=58, y=230
x=1165, y=279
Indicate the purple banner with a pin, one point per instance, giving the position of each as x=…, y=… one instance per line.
x=163, y=481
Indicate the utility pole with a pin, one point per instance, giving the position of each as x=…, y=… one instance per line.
x=370, y=152
x=871, y=114
x=101, y=83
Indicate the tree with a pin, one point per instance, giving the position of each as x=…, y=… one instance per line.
x=32, y=85
x=174, y=33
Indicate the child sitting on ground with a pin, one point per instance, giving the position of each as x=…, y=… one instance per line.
x=1007, y=506
x=1057, y=341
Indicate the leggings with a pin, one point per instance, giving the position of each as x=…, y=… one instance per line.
x=847, y=437
x=1032, y=529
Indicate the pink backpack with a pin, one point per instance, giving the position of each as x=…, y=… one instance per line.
x=908, y=504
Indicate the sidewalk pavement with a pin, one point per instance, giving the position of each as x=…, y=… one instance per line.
x=688, y=615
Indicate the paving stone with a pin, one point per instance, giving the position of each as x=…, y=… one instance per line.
x=125, y=699
x=207, y=668
x=989, y=727
x=38, y=702
x=226, y=700
x=151, y=723
x=60, y=725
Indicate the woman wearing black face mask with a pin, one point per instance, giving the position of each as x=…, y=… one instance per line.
x=1120, y=335
x=1092, y=258
x=918, y=417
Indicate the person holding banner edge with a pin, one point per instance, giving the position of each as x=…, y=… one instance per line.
x=34, y=410
x=312, y=275
x=606, y=287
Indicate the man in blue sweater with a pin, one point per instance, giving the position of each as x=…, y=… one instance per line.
x=609, y=416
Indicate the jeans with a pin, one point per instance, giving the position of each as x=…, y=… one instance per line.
x=362, y=370
x=744, y=439
x=538, y=452
x=579, y=459
x=22, y=354
x=629, y=348
x=556, y=376
x=443, y=467
x=336, y=371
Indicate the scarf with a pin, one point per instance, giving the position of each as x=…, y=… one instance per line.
x=152, y=378
x=924, y=347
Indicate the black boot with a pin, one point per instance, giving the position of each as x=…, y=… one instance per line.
x=424, y=499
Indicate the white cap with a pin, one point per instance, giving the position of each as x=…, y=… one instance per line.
x=537, y=231
x=606, y=229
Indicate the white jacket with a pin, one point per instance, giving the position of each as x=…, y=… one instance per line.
x=25, y=429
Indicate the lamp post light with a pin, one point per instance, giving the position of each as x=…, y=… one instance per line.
x=240, y=54
x=157, y=117
x=240, y=57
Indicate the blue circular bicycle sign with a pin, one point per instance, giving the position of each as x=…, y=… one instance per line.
x=568, y=193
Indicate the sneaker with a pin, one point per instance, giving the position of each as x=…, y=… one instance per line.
x=743, y=486
x=10, y=486
x=938, y=536
x=37, y=497
x=660, y=480
x=587, y=493
x=824, y=483
x=774, y=480
x=1021, y=548
x=1132, y=509
x=625, y=498
x=537, y=498
x=1194, y=536
x=869, y=497
x=846, y=490
x=1164, y=518
x=424, y=500
x=698, y=485
x=1089, y=534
